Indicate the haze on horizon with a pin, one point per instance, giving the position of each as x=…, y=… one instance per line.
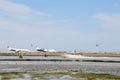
x=63, y=25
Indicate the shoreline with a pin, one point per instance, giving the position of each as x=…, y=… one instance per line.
x=66, y=59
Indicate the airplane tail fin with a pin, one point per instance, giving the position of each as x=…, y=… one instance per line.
x=8, y=47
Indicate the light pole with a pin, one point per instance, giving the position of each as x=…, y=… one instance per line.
x=97, y=48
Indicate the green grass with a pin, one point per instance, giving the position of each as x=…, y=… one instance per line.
x=89, y=76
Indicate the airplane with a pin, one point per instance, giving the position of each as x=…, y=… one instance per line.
x=45, y=50
x=18, y=50
x=41, y=49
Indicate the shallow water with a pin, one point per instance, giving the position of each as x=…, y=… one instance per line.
x=103, y=64
x=56, y=66
x=60, y=66
x=58, y=57
x=110, y=64
x=60, y=62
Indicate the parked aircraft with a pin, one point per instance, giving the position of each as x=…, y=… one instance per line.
x=18, y=50
x=45, y=50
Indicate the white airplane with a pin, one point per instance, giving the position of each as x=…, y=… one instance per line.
x=45, y=50
x=18, y=50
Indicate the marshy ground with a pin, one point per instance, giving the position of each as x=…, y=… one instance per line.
x=56, y=76
x=59, y=71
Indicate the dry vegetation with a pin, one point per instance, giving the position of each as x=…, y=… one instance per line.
x=99, y=54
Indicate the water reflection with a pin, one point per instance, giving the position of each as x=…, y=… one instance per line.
x=63, y=62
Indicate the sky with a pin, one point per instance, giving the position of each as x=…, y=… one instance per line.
x=63, y=25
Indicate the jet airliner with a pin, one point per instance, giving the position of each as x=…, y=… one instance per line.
x=45, y=50
x=18, y=50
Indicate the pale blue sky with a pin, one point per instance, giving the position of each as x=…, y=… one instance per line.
x=63, y=25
